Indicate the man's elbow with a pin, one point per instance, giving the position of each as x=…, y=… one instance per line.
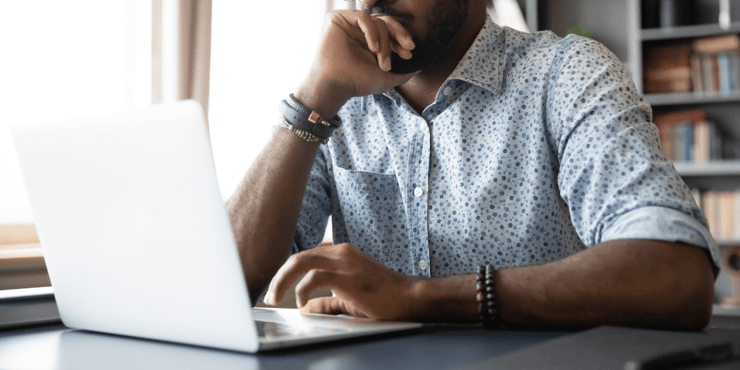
x=692, y=293
x=695, y=314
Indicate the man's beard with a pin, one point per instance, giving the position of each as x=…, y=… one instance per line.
x=443, y=30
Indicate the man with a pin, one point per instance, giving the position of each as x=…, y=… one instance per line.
x=464, y=144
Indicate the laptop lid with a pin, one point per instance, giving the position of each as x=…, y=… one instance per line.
x=134, y=230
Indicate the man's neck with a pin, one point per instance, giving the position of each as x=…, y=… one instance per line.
x=421, y=90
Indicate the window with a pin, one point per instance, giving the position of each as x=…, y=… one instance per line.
x=61, y=60
x=255, y=63
x=260, y=52
x=79, y=58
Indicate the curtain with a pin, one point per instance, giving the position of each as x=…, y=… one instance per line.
x=181, y=50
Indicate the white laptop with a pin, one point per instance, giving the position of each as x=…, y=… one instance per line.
x=137, y=239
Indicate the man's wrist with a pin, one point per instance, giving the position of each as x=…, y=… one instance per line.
x=322, y=98
x=452, y=299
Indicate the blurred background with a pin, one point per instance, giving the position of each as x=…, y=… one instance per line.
x=77, y=58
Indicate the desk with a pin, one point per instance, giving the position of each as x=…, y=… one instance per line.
x=431, y=347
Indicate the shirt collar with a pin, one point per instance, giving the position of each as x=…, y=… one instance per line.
x=482, y=65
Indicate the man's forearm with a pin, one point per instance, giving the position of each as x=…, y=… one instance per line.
x=265, y=207
x=624, y=282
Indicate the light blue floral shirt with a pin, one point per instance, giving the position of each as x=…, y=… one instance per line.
x=534, y=149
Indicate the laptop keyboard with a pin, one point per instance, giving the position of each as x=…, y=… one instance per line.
x=277, y=330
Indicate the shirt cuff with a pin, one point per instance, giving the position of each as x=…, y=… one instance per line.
x=660, y=223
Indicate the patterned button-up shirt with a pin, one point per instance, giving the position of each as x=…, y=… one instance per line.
x=534, y=149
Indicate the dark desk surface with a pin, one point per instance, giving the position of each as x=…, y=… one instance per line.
x=434, y=347
x=431, y=347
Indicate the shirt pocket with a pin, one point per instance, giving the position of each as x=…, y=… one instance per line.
x=373, y=214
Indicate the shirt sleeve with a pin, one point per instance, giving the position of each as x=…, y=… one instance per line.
x=613, y=174
x=316, y=207
x=660, y=223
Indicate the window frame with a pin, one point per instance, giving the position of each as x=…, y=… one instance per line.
x=21, y=258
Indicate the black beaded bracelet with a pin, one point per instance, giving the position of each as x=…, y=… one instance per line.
x=486, y=287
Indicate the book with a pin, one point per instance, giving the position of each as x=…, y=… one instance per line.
x=715, y=72
x=707, y=142
x=736, y=217
x=709, y=73
x=711, y=211
x=724, y=74
x=713, y=64
x=683, y=144
x=669, y=73
x=704, y=65
x=717, y=44
x=735, y=71
x=726, y=215
x=701, y=142
x=667, y=69
x=696, y=80
x=666, y=123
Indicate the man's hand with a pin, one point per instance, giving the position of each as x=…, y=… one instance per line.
x=354, y=59
x=361, y=286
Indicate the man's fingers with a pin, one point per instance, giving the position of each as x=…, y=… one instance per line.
x=403, y=53
x=376, y=31
x=325, y=305
x=398, y=32
x=384, y=54
x=295, y=266
x=316, y=279
x=369, y=29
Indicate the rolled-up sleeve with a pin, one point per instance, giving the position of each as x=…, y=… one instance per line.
x=613, y=175
x=660, y=223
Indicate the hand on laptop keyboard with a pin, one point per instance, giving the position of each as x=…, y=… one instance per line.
x=362, y=287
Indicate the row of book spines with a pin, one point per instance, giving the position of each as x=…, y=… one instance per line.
x=722, y=210
x=715, y=73
x=691, y=142
x=705, y=74
x=706, y=65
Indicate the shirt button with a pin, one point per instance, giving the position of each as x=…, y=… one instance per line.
x=423, y=265
x=418, y=192
x=447, y=91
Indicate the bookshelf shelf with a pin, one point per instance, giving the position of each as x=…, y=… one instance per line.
x=691, y=98
x=728, y=243
x=710, y=169
x=714, y=176
x=655, y=34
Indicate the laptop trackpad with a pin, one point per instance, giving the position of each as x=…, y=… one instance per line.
x=295, y=317
x=286, y=323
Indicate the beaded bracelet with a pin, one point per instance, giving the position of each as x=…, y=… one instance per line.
x=486, y=297
x=306, y=136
